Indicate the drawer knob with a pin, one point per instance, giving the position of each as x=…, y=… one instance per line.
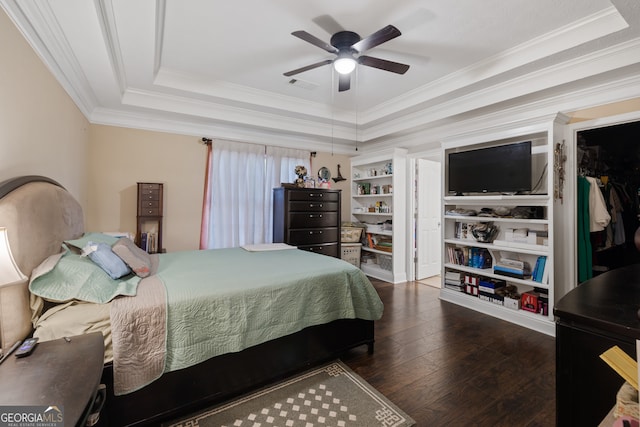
x=150, y=212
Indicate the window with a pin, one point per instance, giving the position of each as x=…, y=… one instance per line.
x=238, y=199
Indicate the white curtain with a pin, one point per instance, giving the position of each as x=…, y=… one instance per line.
x=242, y=178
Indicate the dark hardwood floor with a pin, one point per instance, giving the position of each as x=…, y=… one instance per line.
x=446, y=365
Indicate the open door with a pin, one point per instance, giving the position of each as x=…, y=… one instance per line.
x=428, y=217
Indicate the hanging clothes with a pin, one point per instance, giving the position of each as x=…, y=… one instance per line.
x=598, y=213
x=585, y=261
x=617, y=221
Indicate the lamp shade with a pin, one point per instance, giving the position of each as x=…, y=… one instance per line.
x=9, y=271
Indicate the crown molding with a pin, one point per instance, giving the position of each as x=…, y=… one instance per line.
x=602, y=23
x=605, y=60
x=35, y=19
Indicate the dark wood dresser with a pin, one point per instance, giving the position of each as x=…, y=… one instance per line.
x=590, y=319
x=308, y=218
x=150, y=212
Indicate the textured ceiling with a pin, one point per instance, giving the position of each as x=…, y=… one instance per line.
x=216, y=68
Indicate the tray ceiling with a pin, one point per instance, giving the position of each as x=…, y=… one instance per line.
x=215, y=68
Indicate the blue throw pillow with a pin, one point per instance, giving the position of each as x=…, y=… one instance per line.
x=101, y=254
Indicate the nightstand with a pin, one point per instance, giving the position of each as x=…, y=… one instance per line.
x=64, y=373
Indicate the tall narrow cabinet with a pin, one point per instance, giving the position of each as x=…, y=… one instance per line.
x=149, y=217
x=378, y=199
x=525, y=235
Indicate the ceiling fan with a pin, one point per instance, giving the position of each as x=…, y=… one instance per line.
x=348, y=48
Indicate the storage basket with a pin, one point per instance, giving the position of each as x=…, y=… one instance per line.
x=385, y=262
x=350, y=234
x=351, y=253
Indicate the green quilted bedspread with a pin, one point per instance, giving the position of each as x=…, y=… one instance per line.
x=226, y=300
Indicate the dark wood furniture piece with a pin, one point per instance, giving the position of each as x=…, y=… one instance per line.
x=63, y=373
x=150, y=209
x=590, y=319
x=223, y=377
x=308, y=218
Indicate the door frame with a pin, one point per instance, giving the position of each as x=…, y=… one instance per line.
x=434, y=154
x=566, y=219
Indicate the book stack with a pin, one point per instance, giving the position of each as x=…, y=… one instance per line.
x=149, y=242
x=512, y=268
x=490, y=290
x=453, y=281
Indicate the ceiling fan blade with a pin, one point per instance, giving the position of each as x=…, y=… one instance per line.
x=383, y=64
x=344, y=83
x=328, y=23
x=308, y=67
x=314, y=41
x=383, y=35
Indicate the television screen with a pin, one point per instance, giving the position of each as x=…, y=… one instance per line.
x=501, y=169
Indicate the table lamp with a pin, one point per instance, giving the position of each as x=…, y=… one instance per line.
x=9, y=271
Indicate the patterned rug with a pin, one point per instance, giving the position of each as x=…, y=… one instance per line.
x=332, y=395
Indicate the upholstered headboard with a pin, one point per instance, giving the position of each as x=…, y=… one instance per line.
x=39, y=215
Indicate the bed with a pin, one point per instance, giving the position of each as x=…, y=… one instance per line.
x=196, y=328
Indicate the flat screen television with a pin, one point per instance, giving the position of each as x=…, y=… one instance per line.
x=501, y=169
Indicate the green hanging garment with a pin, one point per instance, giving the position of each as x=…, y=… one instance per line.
x=585, y=260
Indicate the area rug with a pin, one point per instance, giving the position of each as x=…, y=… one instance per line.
x=331, y=395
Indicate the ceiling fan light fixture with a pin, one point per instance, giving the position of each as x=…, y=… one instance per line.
x=344, y=64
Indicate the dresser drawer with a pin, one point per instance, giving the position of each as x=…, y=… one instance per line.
x=330, y=249
x=313, y=235
x=312, y=220
x=148, y=186
x=146, y=204
x=149, y=194
x=313, y=206
x=150, y=211
x=333, y=196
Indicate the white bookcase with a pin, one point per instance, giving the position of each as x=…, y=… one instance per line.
x=378, y=199
x=457, y=212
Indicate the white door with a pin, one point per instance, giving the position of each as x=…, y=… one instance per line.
x=428, y=217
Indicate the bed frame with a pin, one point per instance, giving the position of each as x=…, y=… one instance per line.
x=40, y=214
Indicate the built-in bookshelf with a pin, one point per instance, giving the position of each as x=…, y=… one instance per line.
x=378, y=201
x=498, y=249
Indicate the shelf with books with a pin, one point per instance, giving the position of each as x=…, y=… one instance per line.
x=378, y=192
x=515, y=229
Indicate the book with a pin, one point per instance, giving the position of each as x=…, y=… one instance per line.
x=545, y=274
x=623, y=364
x=510, y=262
x=503, y=272
x=540, y=271
x=452, y=275
x=535, y=268
x=509, y=269
x=536, y=274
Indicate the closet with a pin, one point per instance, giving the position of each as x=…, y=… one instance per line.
x=608, y=160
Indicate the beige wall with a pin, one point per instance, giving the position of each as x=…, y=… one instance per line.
x=42, y=132
x=120, y=157
x=606, y=110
